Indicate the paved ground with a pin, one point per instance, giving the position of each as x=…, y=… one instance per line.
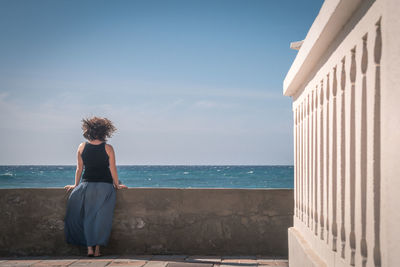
x=147, y=261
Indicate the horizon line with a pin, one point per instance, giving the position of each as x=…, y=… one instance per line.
x=2, y=165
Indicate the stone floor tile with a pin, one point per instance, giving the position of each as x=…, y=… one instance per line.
x=238, y=261
x=127, y=262
x=250, y=257
x=155, y=263
x=231, y=264
x=200, y=258
x=248, y=262
x=266, y=261
x=230, y=260
x=281, y=263
x=135, y=257
x=94, y=259
x=105, y=257
x=169, y=257
x=188, y=264
x=20, y=262
x=92, y=262
x=55, y=262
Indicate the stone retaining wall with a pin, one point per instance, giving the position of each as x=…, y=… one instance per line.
x=155, y=221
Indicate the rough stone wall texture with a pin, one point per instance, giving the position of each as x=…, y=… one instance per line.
x=155, y=221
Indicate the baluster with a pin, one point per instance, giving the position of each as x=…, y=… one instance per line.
x=308, y=160
x=301, y=161
x=377, y=144
x=316, y=163
x=321, y=160
x=304, y=162
x=311, y=160
x=298, y=163
x=343, y=157
x=334, y=162
x=352, y=162
x=295, y=162
x=327, y=161
x=363, y=153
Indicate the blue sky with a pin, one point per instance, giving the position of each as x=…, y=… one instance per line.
x=185, y=82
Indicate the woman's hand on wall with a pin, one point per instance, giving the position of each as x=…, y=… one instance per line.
x=69, y=187
x=120, y=186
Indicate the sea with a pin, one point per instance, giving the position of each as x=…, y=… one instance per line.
x=167, y=176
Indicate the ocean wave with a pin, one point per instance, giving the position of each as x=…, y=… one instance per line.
x=7, y=174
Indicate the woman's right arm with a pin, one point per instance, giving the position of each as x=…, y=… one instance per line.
x=79, y=165
x=79, y=168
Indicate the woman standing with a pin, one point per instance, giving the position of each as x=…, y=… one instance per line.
x=91, y=203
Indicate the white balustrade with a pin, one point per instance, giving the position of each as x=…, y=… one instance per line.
x=338, y=96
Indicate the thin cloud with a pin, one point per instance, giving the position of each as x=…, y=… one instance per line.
x=208, y=104
x=85, y=87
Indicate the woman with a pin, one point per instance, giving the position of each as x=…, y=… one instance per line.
x=91, y=203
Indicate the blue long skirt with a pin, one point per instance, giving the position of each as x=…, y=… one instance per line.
x=89, y=214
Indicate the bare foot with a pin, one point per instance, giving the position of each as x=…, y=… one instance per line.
x=97, y=251
x=90, y=252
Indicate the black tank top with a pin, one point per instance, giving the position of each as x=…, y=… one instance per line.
x=96, y=164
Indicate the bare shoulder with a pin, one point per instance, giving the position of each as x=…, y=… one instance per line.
x=109, y=148
x=81, y=147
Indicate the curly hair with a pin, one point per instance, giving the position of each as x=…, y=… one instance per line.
x=97, y=128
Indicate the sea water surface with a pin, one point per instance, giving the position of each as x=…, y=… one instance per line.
x=177, y=176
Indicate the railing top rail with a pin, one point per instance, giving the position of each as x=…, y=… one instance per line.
x=333, y=15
